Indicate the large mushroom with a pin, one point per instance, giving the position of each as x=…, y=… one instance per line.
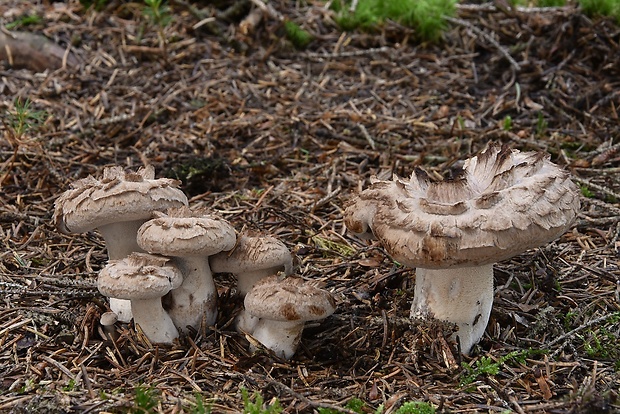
x=253, y=258
x=503, y=202
x=282, y=306
x=143, y=279
x=190, y=237
x=116, y=205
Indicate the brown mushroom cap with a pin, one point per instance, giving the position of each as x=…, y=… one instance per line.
x=183, y=232
x=118, y=196
x=289, y=299
x=252, y=253
x=503, y=203
x=138, y=276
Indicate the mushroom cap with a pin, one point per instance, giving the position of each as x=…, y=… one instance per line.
x=138, y=276
x=252, y=253
x=118, y=196
x=503, y=203
x=182, y=232
x=108, y=318
x=288, y=299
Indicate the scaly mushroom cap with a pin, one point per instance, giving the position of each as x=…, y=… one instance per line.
x=138, y=276
x=118, y=196
x=503, y=203
x=253, y=253
x=288, y=299
x=182, y=232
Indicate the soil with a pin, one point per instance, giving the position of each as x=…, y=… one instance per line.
x=275, y=140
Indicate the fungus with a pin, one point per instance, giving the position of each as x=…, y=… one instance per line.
x=503, y=203
x=143, y=279
x=282, y=306
x=190, y=237
x=253, y=258
x=116, y=205
x=107, y=330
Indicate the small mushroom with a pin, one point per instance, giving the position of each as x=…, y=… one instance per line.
x=503, y=203
x=143, y=279
x=107, y=330
x=253, y=258
x=282, y=306
x=190, y=237
x=116, y=205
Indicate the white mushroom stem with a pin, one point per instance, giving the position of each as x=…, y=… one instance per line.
x=463, y=296
x=153, y=320
x=245, y=322
x=196, y=299
x=247, y=280
x=282, y=337
x=122, y=309
x=120, y=242
x=120, y=238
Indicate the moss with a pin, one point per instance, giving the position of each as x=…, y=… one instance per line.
x=610, y=8
x=298, y=36
x=426, y=17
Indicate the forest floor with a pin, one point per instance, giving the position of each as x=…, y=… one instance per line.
x=275, y=140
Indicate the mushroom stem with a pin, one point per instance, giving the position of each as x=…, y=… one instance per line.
x=196, y=299
x=282, y=337
x=245, y=322
x=463, y=296
x=120, y=241
x=247, y=280
x=121, y=238
x=153, y=320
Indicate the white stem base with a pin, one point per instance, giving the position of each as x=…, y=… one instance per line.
x=154, y=321
x=463, y=296
x=281, y=337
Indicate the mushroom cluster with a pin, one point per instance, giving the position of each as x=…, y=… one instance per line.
x=276, y=304
x=502, y=203
x=117, y=205
x=162, y=257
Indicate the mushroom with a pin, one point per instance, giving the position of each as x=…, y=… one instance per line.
x=503, y=202
x=190, y=237
x=107, y=330
x=143, y=279
x=253, y=258
x=116, y=205
x=282, y=306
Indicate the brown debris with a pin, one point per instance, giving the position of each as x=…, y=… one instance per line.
x=232, y=120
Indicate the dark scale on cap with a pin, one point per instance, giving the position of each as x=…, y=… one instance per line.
x=289, y=312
